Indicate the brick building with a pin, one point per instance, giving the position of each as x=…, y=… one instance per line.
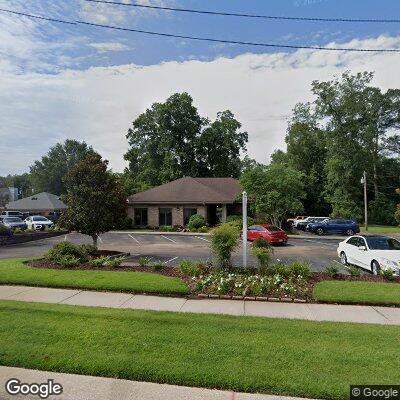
x=175, y=202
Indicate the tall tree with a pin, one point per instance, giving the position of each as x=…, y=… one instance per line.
x=219, y=147
x=162, y=141
x=96, y=201
x=171, y=140
x=306, y=152
x=48, y=173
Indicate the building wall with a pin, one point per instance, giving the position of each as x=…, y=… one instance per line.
x=177, y=212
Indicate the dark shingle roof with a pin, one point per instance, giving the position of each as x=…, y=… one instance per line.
x=40, y=201
x=191, y=190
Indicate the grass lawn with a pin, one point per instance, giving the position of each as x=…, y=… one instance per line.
x=381, y=229
x=14, y=272
x=358, y=292
x=301, y=358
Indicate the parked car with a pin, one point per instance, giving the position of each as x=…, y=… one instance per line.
x=12, y=214
x=38, y=222
x=340, y=226
x=298, y=219
x=373, y=253
x=302, y=225
x=13, y=223
x=272, y=233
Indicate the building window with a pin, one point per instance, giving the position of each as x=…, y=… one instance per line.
x=141, y=217
x=165, y=216
x=187, y=213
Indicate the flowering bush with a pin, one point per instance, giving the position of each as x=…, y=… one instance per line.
x=290, y=284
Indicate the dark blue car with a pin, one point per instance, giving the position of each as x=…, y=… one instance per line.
x=339, y=226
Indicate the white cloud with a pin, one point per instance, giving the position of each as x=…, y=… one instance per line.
x=99, y=104
x=104, y=47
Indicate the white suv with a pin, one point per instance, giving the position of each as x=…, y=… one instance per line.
x=38, y=222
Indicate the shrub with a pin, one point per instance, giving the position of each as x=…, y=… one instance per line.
x=18, y=231
x=388, y=274
x=354, y=271
x=67, y=249
x=189, y=268
x=157, y=266
x=279, y=269
x=332, y=270
x=67, y=260
x=203, y=229
x=89, y=249
x=236, y=221
x=114, y=262
x=166, y=228
x=4, y=231
x=224, y=240
x=143, y=261
x=300, y=269
x=196, y=221
x=98, y=262
x=262, y=250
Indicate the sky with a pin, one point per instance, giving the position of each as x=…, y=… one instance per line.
x=61, y=81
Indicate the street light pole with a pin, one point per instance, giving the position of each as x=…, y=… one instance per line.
x=364, y=181
x=244, y=230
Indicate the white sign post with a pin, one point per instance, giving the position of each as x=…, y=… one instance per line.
x=244, y=230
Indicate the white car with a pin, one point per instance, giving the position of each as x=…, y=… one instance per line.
x=373, y=253
x=38, y=222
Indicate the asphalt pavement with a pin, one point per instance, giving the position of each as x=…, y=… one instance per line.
x=171, y=249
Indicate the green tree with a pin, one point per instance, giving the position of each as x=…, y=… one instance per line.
x=48, y=173
x=95, y=199
x=276, y=190
x=171, y=140
x=22, y=182
x=306, y=152
x=219, y=147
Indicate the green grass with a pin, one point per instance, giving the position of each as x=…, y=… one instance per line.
x=299, y=358
x=382, y=229
x=358, y=292
x=13, y=271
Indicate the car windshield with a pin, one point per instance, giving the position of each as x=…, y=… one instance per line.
x=40, y=219
x=272, y=228
x=378, y=243
x=12, y=219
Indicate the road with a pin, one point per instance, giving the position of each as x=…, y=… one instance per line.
x=171, y=249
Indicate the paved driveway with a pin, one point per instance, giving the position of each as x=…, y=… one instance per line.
x=171, y=249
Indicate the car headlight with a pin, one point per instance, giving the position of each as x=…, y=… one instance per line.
x=385, y=263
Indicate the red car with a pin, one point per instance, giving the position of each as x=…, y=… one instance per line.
x=272, y=233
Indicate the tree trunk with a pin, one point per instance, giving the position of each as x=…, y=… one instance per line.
x=94, y=237
x=376, y=189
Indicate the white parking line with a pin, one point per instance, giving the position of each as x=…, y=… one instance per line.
x=169, y=239
x=322, y=244
x=199, y=237
x=137, y=241
x=65, y=238
x=101, y=240
x=172, y=259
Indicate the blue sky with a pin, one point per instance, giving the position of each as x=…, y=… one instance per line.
x=59, y=81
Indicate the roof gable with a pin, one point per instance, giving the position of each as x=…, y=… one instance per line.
x=191, y=190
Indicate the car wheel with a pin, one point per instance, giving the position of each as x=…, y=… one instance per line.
x=375, y=267
x=320, y=231
x=343, y=258
x=349, y=232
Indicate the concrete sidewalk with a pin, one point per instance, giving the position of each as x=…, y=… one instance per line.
x=80, y=387
x=311, y=312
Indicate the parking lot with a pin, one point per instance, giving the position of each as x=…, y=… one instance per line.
x=171, y=249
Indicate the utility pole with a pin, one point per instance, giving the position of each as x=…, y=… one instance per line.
x=364, y=181
x=244, y=230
